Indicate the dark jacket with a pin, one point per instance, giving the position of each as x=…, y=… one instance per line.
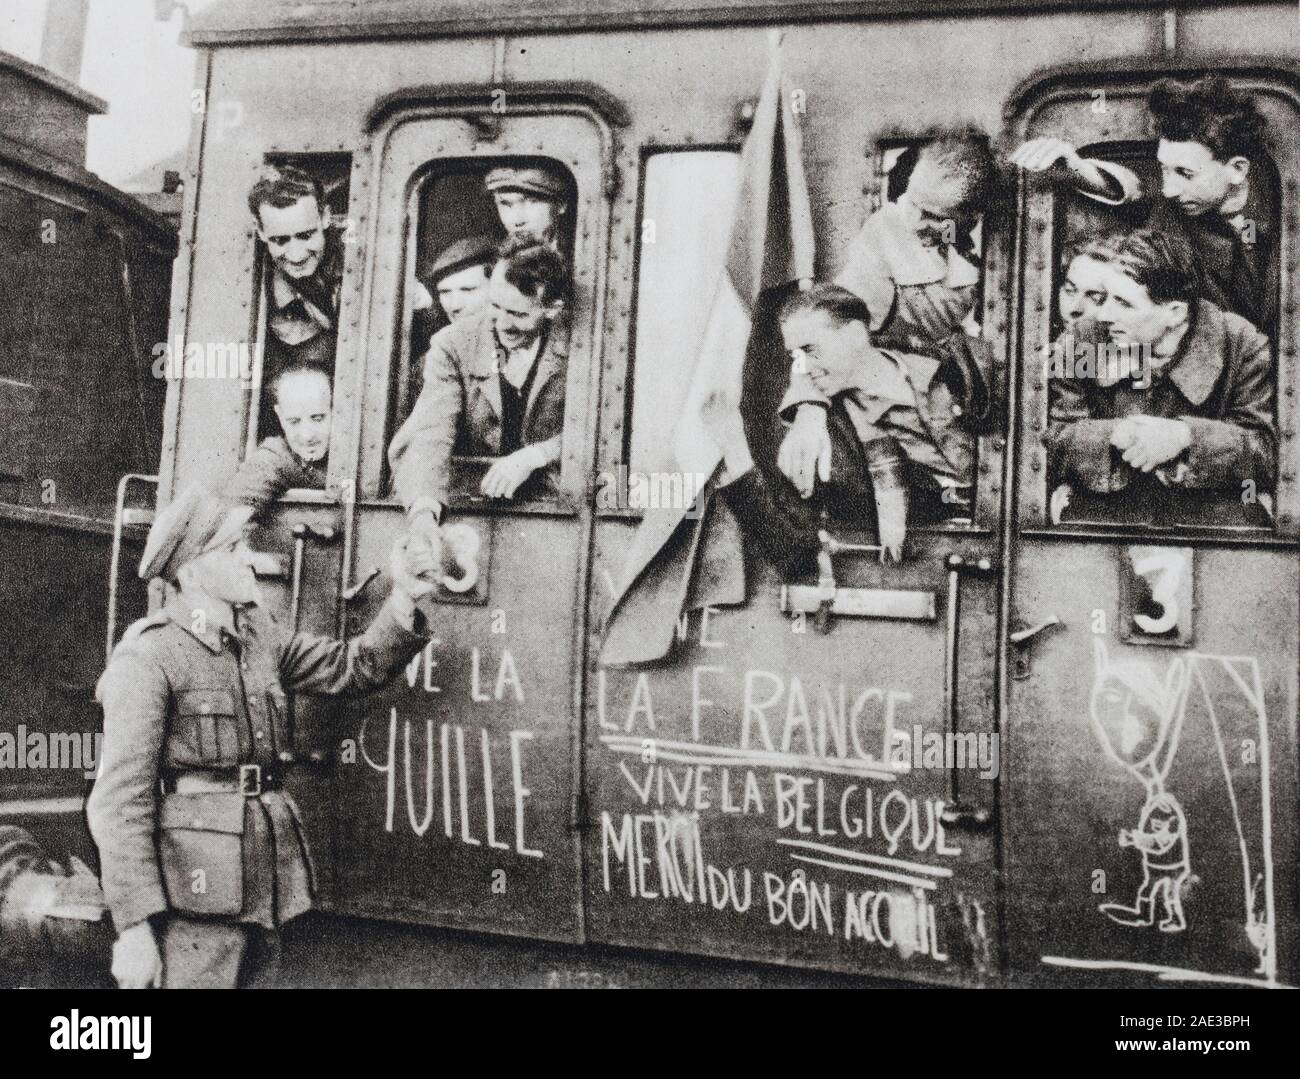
x=1238, y=266
x=1221, y=382
x=180, y=698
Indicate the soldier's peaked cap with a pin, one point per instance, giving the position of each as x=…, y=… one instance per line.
x=531, y=181
x=194, y=522
x=470, y=251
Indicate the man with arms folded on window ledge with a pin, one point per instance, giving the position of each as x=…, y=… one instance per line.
x=1176, y=424
x=493, y=386
x=1210, y=138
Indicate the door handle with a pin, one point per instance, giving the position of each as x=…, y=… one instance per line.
x=1022, y=643
x=956, y=812
x=301, y=530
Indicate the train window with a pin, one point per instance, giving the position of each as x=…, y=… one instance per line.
x=302, y=225
x=496, y=348
x=1123, y=379
x=688, y=201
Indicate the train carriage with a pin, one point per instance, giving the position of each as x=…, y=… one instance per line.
x=784, y=785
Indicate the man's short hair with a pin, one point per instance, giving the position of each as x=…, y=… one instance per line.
x=297, y=367
x=283, y=185
x=835, y=301
x=535, y=268
x=1159, y=261
x=953, y=174
x=1098, y=248
x=1210, y=111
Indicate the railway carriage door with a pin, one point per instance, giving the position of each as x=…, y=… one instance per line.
x=455, y=790
x=1149, y=802
x=771, y=791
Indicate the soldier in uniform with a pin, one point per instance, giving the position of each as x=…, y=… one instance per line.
x=493, y=385
x=532, y=200
x=306, y=254
x=202, y=853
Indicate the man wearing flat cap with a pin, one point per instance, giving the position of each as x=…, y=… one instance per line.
x=202, y=853
x=531, y=200
x=459, y=276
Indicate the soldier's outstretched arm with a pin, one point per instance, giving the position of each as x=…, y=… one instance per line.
x=313, y=664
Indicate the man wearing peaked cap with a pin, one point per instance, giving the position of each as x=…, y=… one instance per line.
x=459, y=275
x=532, y=200
x=200, y=849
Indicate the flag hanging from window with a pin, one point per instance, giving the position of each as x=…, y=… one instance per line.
x=684, y=559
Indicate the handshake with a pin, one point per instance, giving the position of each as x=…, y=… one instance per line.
x=428, y=556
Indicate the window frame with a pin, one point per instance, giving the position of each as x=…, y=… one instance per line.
x=1039, y=225
x=367, y=343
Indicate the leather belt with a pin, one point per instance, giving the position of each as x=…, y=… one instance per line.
x=250, y=780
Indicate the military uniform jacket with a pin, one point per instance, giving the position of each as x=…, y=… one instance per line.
x=1220, y=382
x=459, y=407
x=179, y=697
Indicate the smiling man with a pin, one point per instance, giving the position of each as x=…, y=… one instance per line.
x=1210, y=145
x=200, y=847
x=1193, y=439
x=493, y=386
x=305, y=252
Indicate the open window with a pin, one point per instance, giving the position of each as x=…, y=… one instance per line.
x=450, y=209
x=1077, y=291
x=441, y=173
x=1109, y=120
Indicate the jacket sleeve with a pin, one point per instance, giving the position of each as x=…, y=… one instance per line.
x=800, y=392
x=269, y=471
x=122, y=807
x=312, y=664
x=867, y=275
x=1078, y=445
x=1242, y=445
x=420, y=453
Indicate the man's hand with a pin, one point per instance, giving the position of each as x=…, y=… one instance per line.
x=805, y=453
x=414, y=567
x=1042, y=154
x=1146, y=442
x=137, y=963
x=505, y=475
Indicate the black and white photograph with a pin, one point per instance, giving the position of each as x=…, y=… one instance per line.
x=651, y=494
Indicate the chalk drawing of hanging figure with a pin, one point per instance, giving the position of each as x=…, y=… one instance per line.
x=1138, y=717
